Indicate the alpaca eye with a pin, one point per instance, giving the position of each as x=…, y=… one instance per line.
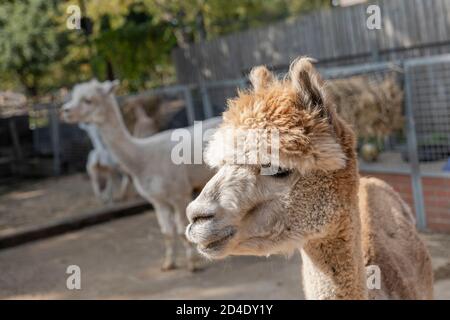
x=87, y=100
x=282, y=173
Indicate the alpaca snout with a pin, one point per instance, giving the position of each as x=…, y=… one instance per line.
x=66, y=112
x=211, y=240
x=66, y=107
x=200, y=211
x=207, y=228
x=200, y=217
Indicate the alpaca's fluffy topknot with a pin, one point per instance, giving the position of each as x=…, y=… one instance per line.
x=295, y=108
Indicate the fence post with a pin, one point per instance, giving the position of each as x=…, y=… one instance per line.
x=190, y=112
x=54, y=127
x=207, y=107
x=412, y=151
x=15, y=140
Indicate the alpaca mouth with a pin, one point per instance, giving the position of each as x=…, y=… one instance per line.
x=218, y=244
x=69, y=117
x=66, y=117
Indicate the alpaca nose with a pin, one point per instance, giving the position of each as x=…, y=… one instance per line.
x=197, y=212
x=63, y=112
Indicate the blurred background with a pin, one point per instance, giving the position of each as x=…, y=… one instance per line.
x=387, y=64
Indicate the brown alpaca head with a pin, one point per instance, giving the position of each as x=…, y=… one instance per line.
x=240, y=210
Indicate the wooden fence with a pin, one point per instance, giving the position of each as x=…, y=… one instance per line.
x=336, y=36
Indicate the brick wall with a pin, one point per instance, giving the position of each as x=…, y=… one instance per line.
x=436, y=192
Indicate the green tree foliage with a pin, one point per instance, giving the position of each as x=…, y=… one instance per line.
x=30, y=43
x=130, y=39
x=138, y=50
x=199, y=19
x=222, y=17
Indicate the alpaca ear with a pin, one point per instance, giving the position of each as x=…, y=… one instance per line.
x=308, y=83
x=110, y=87
x=260, y=77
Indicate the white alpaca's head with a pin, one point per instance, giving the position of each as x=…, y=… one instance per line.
x=89, y=102
x=243, y=212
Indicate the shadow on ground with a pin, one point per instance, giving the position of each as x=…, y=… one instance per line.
x=121, y=260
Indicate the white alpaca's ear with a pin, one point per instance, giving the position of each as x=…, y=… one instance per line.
x=307, y=82
x=260, y=77
x=110, y=87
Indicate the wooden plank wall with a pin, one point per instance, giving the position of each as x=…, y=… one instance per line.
x=336, y=36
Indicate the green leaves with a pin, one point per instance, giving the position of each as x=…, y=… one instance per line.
x=137, y=50
x=29, y=41
x=131, y=40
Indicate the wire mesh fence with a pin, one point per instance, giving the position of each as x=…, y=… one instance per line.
x=430, y=96
x=64, y=144
x=370, y=98
x=216, y=94
x=426, y=89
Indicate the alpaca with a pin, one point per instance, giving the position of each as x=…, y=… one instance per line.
x=102, y=167
x=142, y=114
x=144, y=126
x=315, y=201
x=156, y=177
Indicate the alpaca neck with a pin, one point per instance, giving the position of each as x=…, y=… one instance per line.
x=116, y=136
x=140, y=113
x=333, y=266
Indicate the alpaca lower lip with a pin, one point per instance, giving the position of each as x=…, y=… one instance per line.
x=219, y=243
x=68, y=118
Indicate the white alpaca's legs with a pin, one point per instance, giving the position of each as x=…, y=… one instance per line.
x=95, y=180
x=169, y=258
x=181, y=222
x=97, y=173
x=107, y=192
x=191, y=255
x=164, y=213
x=124, y=183
x=91, y=168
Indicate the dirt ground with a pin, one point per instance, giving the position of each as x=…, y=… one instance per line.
x=121, y=260
x=41, y=201
x=126, y=265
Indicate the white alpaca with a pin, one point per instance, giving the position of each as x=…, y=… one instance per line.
x=144, y=126
x=102, y=167
x=167, y=186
